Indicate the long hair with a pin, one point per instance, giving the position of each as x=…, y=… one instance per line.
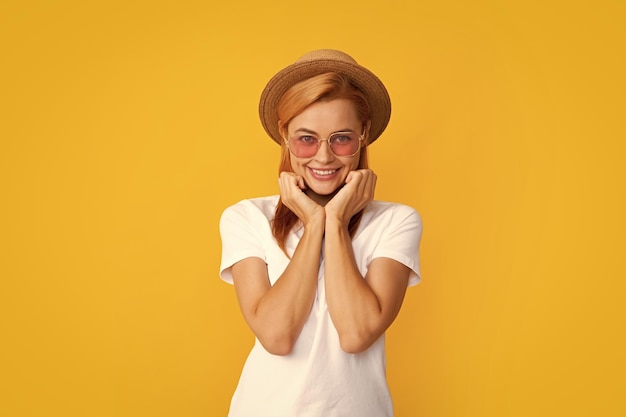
x=324, y=87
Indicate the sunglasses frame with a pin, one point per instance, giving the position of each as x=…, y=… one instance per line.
x=319, y=144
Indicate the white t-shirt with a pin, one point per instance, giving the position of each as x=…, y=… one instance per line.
x=317, y=379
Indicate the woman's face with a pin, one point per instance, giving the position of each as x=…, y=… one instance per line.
x=324, y=173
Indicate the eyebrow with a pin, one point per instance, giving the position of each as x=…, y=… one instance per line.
x=312, y=132
x=305, y=130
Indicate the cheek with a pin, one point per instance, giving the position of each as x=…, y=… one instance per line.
x=296, y=166
x=354, y=164
x=287, y=162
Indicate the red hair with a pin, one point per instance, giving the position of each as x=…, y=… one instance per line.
x=324, y=87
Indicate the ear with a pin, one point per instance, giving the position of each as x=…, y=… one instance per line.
x=282, y=130
x=366, y=132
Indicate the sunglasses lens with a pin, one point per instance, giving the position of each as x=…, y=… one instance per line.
x=303, y=146
x=344, y=144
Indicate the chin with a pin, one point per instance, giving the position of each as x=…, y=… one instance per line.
x=325, y=190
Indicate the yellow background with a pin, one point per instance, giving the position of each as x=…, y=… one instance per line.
x=127, y=127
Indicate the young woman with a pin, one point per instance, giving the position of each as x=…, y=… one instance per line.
x=321, y=270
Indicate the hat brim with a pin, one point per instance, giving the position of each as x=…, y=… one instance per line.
x=371, y=86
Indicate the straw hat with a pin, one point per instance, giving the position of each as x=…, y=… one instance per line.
x=319, y=62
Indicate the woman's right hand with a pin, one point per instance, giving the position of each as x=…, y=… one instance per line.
x=292, y=194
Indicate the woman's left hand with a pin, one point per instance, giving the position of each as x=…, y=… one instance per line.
x=353, y=197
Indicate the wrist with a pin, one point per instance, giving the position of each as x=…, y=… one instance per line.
x=335, y=224
x=316, y=222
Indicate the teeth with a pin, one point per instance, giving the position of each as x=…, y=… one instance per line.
x=323, y=172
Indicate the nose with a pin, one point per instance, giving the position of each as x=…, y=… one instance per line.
x=324, y=153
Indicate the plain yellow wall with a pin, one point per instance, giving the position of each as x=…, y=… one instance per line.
x=127, y=127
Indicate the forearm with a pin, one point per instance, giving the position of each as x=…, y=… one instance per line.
x=279, y=315
x=354, y=307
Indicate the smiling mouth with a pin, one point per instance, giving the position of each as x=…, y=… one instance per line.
x=323, y=171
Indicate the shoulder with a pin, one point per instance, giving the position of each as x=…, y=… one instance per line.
x=252, y=208
x=388, y=212
x=381, y=218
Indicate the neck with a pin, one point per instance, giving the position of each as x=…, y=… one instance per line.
x=321, y=199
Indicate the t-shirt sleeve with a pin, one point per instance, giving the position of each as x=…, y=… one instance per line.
x=401, y=241
x=241, y=238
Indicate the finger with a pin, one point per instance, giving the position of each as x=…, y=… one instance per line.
x=288, y=179
x=288, y=186
x=371, y=187
x=364, y=187
x=360, y=179
x=371, y=184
